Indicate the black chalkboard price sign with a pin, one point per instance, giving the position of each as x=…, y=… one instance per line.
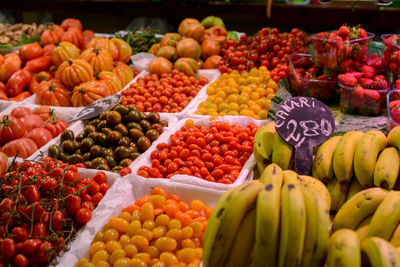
x=304, y=122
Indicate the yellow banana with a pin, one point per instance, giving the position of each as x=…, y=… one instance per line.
x=263, y=141
x=366, y=155
x=282, y=152
x=267, y=222
x=393, y=138
x=357, y=208
x=343, y=249
x=322, y=168
x=316, y=185
x=395, y=240
x=387, y=168
x=244, y=241
x=344, y=155
x=380, y=253
x=259, y=161
x=354, y=188
x=338, y=193
x=386, y=217
x=317, y=229
x=362, y=229
x=293, y=222
x=231, y=215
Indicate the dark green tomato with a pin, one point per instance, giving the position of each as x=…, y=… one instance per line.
x=87, y=143
x=158, y=127
x=146, y=125
x=122, y=109
x=86, y=156
x=122, y=129
x=144, y=115
x=111, y=161
x=117, y=169
x=113, y=117
x=67, y=135
x=76, y=158
x=54, y=151
x=108, y=152
x=143, y=143
x=78, y=144
x=78, y=151
x=125, y=162
x=153, y=117
x=94, y=122
x=89, y=129
x=134, y=155
x=121, y=152
x=134, y=148
x=102, y=124
x=96, y=151
x=68, y=146
x=93, y=135
x=132, y=107
x=79, y=137
x=103, y=115
x=164, y=123
x=134, y=125
x=124, y=141
x=100, y=139
x=64, y=157
x=106, y=131
x=134, y=116
x=134, y=134
x=114, y=137
x=99, y=160
x=89, y=164
x=152, y=134
x=103, y=167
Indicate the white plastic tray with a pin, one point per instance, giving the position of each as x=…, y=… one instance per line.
x=245, y=174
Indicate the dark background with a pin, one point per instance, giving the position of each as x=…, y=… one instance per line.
x=108, y=16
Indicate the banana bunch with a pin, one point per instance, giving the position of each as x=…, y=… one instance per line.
x=270, y=147
x=282, y=219
x=345, y=249
x=357, y=160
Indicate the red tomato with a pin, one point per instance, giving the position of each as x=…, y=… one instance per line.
x=83, y=215
x=20, y=260
x=93, y=188
x=32, y=194
x=57, y=220
x=30, y=246
x=38, y=64
x=11, y=129
x=20, y=234
x=73, y=204
x=18, y=81
x=22, y=147
x=125, y=171
x=48, y=184
x=96, y=198
x=39, y=229
x=32, y=121
x=100, y=177
x=30, y=51
x=8, y=248
x=104, y=188
x=20, y=112
x=88, y=205
x=40, y=136
x=44, y=251
x=71, y=176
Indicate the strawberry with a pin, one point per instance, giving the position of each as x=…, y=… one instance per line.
x=366, y=82
x=300, y=71
x=322, y=77
x=347, y=80
x=343, y=32
x=397, y=84
x=313, y=70
x=371, y=96
x=355, y=74
x=368, y=72
x=345, y=65
x=381, y=85
x=379, y=77
x=357, y=96
x=394, y=107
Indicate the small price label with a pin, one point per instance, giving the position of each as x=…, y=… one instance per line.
x=304, y=122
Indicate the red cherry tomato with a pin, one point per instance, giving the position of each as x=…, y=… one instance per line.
x=83, y=215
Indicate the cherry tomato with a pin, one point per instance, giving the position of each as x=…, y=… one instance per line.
x=83, y=215
x=57, y=219
x=20, y=260
x=73, y=204
x=100, y=177
x=32, y=194
x=20, y=234
x=39, y=229
x=8, y=248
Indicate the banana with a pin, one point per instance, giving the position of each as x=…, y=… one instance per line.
x=386, y=217
x=250, y=260
x=230, y=215
x=354, y=188
x=317, y=229
x=309, y=182
x=344, y=155
x=338, y=193
x=263, y=140
x=366, y=155
x=282, y=152
x=322, y=168
x=393, y=138
x=387, y=168
x=380, y=253
x=343, y=249
x=395, y=240
x=357, y=208
x=259, y=161
x=271, y=173
x=268, y=212
x=293, y=222
x=244, y=241
x=362, y=229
